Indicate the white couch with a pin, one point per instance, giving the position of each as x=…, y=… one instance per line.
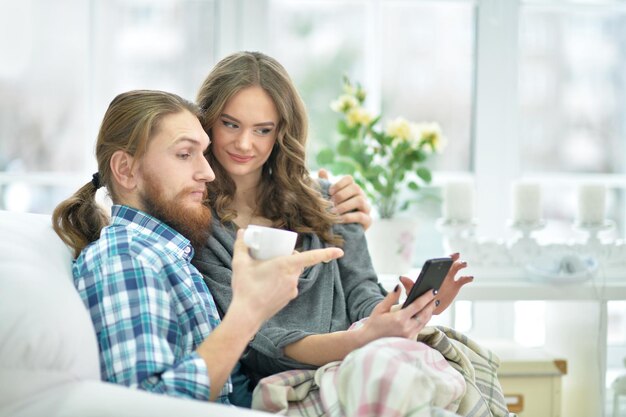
x=48, y=353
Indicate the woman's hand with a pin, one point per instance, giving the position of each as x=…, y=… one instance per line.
x=387, y=320
x=450, y=286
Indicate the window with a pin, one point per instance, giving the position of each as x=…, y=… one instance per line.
x=572, y=85
x=408, y=55
x=165, y=45
x=427, y=70
x=572, y=107
x=318, y=42
x=65, y=62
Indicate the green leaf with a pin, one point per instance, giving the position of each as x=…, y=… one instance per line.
x=378, y=136
x=343, y=167
x=325, y=157
x=366, y=159
x=378, y=186
x=344, y=147
x=359, y=155
x=345, y=79
x=424, y=174
x=413, y=186
x=342, y=127
x=374, y=172
x=384, y=139
x=373, y=122
x=420, y=156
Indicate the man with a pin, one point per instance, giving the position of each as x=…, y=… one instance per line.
x=155, y=320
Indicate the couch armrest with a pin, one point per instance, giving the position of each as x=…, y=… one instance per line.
x=101, y=399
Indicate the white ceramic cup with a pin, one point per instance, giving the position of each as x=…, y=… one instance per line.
x=268, y=242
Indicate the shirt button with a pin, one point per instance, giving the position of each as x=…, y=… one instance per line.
x=187, y=250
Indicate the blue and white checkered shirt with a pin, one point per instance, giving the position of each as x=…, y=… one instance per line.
x=149, y=305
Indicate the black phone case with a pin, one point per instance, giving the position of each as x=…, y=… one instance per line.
x=430, y=278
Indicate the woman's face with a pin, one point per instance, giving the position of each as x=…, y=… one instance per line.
x=245, y=133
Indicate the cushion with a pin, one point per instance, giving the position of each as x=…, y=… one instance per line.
x=45, y=327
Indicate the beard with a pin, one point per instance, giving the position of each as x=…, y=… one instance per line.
x=194, y=223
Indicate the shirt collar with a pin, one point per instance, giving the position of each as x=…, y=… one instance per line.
x=152, y=228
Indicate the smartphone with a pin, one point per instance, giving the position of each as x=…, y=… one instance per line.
x=430, y=278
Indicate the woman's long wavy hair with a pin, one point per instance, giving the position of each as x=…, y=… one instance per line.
x=130, y=121
x=287, y=195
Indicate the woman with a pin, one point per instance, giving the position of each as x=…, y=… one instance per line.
x=258, y=127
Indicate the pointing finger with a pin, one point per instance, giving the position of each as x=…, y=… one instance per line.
x=312, y=257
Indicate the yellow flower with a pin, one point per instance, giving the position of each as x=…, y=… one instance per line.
x=344, y=103
x=429, y=134
x=368, y=149
x=399, y=128
x=358, y=116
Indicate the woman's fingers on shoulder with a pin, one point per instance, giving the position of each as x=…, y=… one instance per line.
x=346, y=194
x=357, y=217
x=352, y=203
x=343, y=182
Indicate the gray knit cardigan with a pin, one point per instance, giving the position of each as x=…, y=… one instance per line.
x=331, y=296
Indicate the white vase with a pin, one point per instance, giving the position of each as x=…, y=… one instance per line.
x=391, y=243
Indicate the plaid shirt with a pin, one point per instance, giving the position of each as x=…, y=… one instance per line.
x=149, y=305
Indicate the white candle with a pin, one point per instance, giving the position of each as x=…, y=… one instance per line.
x=591, y=203
x=526, y=198
x=458, y=201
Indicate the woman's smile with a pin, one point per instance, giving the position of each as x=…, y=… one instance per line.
x=240, y=159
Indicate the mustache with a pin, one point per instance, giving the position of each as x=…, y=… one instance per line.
x=189, y=190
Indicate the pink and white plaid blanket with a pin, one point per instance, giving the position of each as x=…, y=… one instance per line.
x=443, y=374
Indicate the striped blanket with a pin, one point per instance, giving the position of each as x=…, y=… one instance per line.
x=443, y=374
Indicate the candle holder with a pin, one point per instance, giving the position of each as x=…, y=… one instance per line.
x=458, y=234
x=523, y=247
x=593, y=229
x=526, y=228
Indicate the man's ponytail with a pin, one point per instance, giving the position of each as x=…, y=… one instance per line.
x=79, y=219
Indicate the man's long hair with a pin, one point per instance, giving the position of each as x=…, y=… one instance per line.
x=130, y=121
